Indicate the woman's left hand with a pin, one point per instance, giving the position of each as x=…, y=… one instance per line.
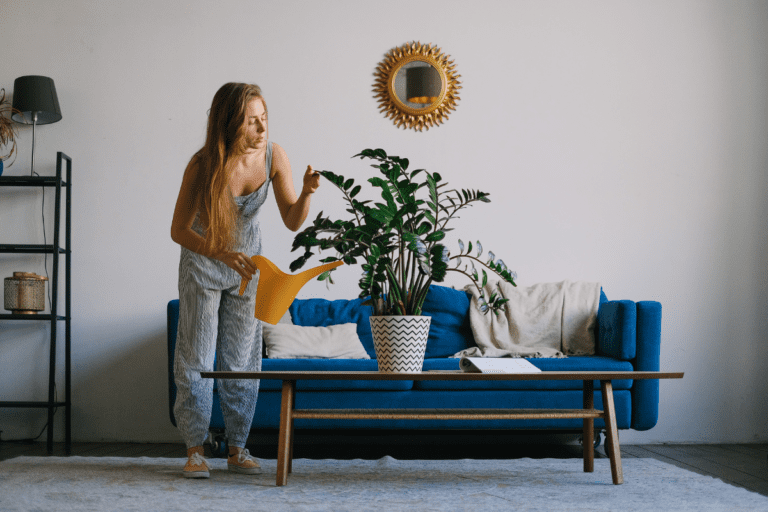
x=311, y=180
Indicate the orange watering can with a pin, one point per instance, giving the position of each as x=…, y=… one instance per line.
x=276, y=289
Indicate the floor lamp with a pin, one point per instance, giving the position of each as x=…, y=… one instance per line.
x=35, y=99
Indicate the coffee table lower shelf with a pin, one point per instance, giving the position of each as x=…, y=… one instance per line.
x=289, y=413
x=444, y=414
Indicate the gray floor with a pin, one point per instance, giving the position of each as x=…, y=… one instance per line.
x=743, y=465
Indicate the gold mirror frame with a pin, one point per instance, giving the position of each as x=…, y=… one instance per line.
x=394, y=108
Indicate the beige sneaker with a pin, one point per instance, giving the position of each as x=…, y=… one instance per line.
x=196, y=466
x=241, y=462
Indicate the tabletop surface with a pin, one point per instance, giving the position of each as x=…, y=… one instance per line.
x=441, y=375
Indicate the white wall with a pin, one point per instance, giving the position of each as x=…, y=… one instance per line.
x=621, y=142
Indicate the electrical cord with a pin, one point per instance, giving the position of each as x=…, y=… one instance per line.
x=33, y=439
x=45, y=242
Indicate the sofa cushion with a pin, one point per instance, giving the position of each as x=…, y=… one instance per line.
x=574, y=363
x=449, y=330
x=322, y=312
x=331, y=365
x=286, y=341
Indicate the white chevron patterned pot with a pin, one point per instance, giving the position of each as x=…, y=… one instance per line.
x=400, y=342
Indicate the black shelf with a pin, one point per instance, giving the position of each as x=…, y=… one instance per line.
x=52, y=317
x=30, y=181
x=31, y=248
x=39, y=316
x=33, y=405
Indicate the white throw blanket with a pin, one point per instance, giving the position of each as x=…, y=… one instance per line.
x=543, y=320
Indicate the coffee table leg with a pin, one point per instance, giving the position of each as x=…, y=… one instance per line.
x=285, y=441
x=588, y=435
x=290, y=447
x=611, y=433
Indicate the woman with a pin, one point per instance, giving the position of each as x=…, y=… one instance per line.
x=216, y=223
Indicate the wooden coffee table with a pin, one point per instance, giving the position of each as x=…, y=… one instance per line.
x=588, y=413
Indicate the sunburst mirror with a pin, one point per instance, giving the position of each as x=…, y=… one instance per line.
x=417, y=86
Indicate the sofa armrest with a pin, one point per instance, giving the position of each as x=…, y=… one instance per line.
x=617, y=323
x=645, y=393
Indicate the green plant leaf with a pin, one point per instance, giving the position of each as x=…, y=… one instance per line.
x=368, y=153
x=327, y=175
x=438, y=263
x=435, y=237
x=380, y=216
x=377, y=182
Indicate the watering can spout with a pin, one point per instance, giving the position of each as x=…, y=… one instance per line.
x=276, y=289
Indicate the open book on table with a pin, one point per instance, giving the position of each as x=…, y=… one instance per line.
x=496, y=365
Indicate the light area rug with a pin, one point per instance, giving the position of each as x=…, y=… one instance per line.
x=156, y=484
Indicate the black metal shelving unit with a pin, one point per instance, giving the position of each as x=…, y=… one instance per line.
x=53, y=317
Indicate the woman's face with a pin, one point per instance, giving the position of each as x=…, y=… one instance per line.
x=255, y=125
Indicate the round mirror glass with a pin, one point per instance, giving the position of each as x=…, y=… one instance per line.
x=418, y=84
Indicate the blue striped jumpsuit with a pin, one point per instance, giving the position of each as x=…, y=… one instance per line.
x=214, y=318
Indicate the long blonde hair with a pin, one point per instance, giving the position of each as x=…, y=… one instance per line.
x=224, y=139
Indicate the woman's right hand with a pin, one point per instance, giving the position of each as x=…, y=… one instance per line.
x=240, y=262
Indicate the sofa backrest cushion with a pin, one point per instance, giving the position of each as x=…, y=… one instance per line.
x=322, y=312
x=449, y=331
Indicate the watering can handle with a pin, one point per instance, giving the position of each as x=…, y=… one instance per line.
x=276, y=289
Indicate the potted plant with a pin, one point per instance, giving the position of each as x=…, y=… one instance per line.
x=398, y=244
x=8, y=131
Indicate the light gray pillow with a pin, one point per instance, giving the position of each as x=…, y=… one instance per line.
x=286, y=341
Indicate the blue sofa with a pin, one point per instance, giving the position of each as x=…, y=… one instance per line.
x=627, y=335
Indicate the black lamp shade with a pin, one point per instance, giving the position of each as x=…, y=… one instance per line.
x=32, y=94
x=422, y=84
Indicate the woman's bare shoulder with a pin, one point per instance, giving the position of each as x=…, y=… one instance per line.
x=278, y=151
x=280, y=162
